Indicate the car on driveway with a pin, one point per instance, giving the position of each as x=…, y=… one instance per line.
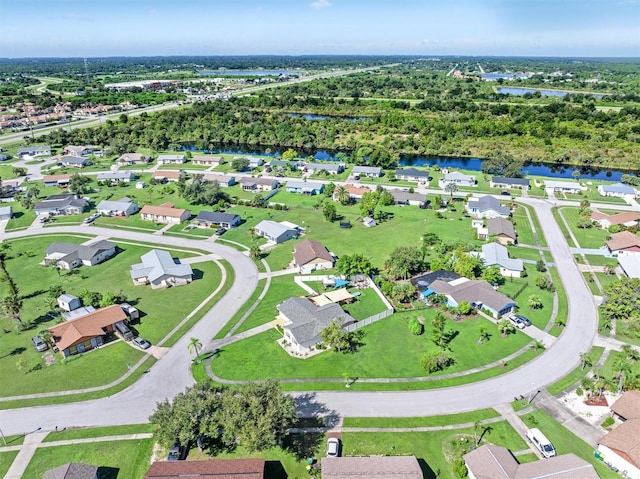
x=518, y=323
x=141, y=342
x=524, y=319
x=220, y=231
x=39, y=344
x=177, y=452
x=333, y=447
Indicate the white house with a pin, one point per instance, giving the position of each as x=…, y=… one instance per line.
x=618, y=189
x=121, y=207
x=70, y=255
x=486, y=207
x=457, y=178
x=494, y=254
x=572, y=187
x=171, y=159
x=116, y=176
x=276, y=232
x=369, y=171
x=160, y=270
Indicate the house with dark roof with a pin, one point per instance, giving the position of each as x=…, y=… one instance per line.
x=34, y=150
x=73, y=161
x=56, y=205
x=86, y=332
x=422, y=282
x=619, y=190
x=401, y=197
x=499, y=228
x=412, y=174
x=160, y=270
x=70, y=255
x=308, y=188
x=276, y=232
x=494, y=254
x=208, y=469
x=497, y=462
x=382, y=467
x=72, y=470
x=165, y=213
x=368, y=171
x=486, y=207
x=310, y=255
x=132, y=159
x=509, y=183
x=208, y=219
x=303, y=321
x=624, y=242
x=478, y=293
x=248, y=183
x=122, y=207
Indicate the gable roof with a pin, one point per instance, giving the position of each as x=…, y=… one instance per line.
x=473, y=291
x=618, y=218
x=72, y=470
x=304, y=185
x=248, y=180
x=157, y=263
x=501, y=226
x=323, y=166
x=77, y=160
x=376, y=170
x=216, y=217
x=456, y=175
x=412, y=172
x=401, y=196
x=307, y=319
x=219, y=178
x=618, y=188
x=354, y=190
x=625, y=440
x=561, y=185
x=173, y=174
x=89, y=326
x=623, y=240
x=71, y=251
x=131, y=157
x=115, y=175
x=308, y=250
x=57, y=178
x=56, y=202
x=171, y=157
x=165, y=209
x=273, y=228
x=115, y=205
x=628, y=405
x=496, y=254
x=506, y=180
x=423, y=281
x=488, y=203
x=208, y=469
x=382, y=467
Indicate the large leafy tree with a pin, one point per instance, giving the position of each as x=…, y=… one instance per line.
x=621, y=304
x=79, y=184
x=352, y=264
x=405, y=261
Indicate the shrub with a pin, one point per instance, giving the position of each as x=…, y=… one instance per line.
x=608, y=422
x=459, y=468
x=415, y=327
x=579, y=391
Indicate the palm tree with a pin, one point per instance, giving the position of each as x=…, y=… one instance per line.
x=534, y=302
x=255, y=252
x=195, y=345
x=451, y=188
x=630, y=353
x=585, y=361
x=623, y=368
x=505, y=327
x=342, y=195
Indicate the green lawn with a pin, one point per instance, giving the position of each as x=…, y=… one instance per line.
x=121, y=459
x=161, y=311
x=577, y=374
x=22, y=218
x=384, y=339
x=245, y=307
x=565, y=441
x=523, y=226
x=525, y=253
x=87, y=432
x=6, y=459
x=599, y=260
x=429, y=421
x=587, y=237
x=563, y=305
x=513, y=286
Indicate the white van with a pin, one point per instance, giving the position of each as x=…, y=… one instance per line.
x=541, y=443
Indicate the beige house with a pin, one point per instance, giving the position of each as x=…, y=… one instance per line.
x=310, y=255
x=207, y=160
x=382, y=467
x=165, y=213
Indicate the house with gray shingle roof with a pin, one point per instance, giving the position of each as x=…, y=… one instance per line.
x=304, y=321
x=171, y=159
x=401, y=197
x=494, y=254
x=305, y=187
x=34, y=150
x=126, y=176
x=412, y=174
x=486, y=207
x=381, y=467
x=617, y=189
x=65, y=204
x=501, y=229
x=121, y=207
x=369, y=171
x=276, y=232
x=73, y=161
x=160, y=270
x=72, y=470
x=207, y=219
x=331, y=168
x=478, y=293
x=69, y=255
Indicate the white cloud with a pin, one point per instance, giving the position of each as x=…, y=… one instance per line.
x=320, y=4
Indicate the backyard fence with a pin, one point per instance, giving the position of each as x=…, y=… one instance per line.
x=369, y=320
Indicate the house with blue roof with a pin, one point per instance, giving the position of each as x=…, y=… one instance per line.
x=494, y=254
x=619, y=190
x=308, y=188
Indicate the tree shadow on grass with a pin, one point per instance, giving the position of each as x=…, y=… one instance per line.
x=427, y=472
x=303, y=445
x=15, y=352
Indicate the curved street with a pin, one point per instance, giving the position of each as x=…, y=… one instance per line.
x=171, y=374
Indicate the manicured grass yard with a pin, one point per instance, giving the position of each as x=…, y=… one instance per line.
x=6, y=459
x=513, y=287
x=565, y=441
x=86, y=432
x=577, y=374
x=428, y=421
x=387, y=338
x=523, y=226
x=161, y=311
x=587, y=237
x=119, y=459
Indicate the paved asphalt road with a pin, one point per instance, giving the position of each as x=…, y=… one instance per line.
x=171, y=375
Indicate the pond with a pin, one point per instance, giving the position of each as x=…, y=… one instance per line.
x=312, y=117
x=522, y=91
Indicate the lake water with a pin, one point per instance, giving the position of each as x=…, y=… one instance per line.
x=472, y=164
x=312, y=117
x=247, y=73
x=521, y=91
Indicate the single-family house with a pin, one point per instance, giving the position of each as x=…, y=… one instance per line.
x=61, y=181
x=303, y=321
x=78, y=312
x=132, y=159
x=34, y=151
x=208, y=219
x=330, y=168
x=630, y=265
x=81, y=150
x=73, y=161
x=620, y=448
x=497, y=462
x=162, y=176
x=255, y=162
x=160, y=270
x=276, y=232
x=458, y=179
x=478, y=293
x=572, y=187
x=87, y=332
x=283, y=165
x=368, y=171
x=208, y=469
x=383, y=467
x=509, y=183
x=68, y=302
x=224, y=181
x=624, y=242
x=494, y=254
x=486, y=207
x=248, y=183
x=6, y=212
x=171, y=159
x=122, y=207
x=310, y=255
x=308, y=188
x=72, y=470
x=627, y=219
x=355, y=192
x=55, y=205
x=124, y=176
x=70, y=255
x=165, y=213
x=207, y=160
x=412, y=174
x=619, y=190
x=423, y=281
x=500, y=228
x=401, y=197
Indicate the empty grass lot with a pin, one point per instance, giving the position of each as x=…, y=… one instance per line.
x=523, y=226
x=117, y=459
x=387, y=338
x=587, y=237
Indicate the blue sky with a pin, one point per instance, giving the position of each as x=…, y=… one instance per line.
x=63, y=28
